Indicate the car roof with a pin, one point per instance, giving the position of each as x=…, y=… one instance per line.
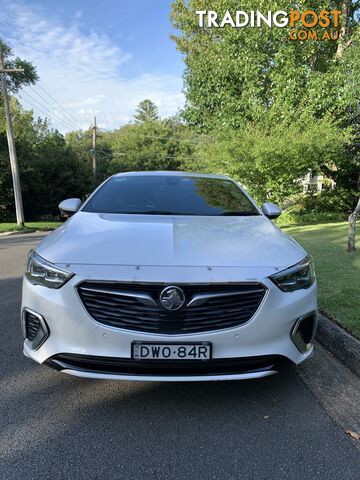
x=172, y=174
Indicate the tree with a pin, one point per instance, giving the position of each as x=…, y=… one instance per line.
x=146, y=111
x=80, y=143
x=15, y=82
x=156, y=145
x=260, y=97
x=352, y=226
x=50, y=168
x=235, y=75
x=270, y=160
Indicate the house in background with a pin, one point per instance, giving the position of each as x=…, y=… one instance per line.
x=314, y=182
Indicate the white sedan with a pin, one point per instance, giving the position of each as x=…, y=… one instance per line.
x=169, y=276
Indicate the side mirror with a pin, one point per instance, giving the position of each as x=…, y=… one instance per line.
x=69, y=207
x=271, y=210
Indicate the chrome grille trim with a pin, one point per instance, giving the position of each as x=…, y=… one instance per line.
x=141, y=297
x=136, y=307
x=201, y=298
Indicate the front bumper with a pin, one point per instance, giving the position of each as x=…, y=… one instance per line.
x=80, y=346
x=215, y=369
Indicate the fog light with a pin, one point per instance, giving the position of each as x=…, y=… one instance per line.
x=304, y=330
x=35, y=329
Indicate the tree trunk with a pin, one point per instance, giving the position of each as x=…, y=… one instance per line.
x=352, y=225
x=343, y=33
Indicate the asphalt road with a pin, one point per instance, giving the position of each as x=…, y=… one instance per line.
x=54, y=426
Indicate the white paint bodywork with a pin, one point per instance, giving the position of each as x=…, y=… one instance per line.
x=169, y=250
x=164, y=240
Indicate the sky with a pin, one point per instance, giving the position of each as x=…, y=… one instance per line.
x=95, y=57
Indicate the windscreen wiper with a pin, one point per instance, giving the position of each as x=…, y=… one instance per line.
x=157, y=212
x=238, y=214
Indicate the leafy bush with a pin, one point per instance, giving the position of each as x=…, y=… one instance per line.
x=289, y=218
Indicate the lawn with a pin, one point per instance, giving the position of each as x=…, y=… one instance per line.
x=338, y=272
x=12, y=227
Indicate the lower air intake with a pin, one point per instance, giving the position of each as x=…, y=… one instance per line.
x=35, y=328
x=32, y=325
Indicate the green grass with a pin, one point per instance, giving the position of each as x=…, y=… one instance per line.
x=12, y=227
x=338, y=272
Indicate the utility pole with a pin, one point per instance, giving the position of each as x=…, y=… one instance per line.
x=94, y=146
x=11, y=143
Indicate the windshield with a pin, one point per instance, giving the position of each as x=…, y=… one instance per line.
x=170, y=195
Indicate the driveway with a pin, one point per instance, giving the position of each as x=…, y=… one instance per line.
x=54, y=426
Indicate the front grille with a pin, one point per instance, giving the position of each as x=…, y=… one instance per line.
x=32, y=325
x=136, y=306
x=127, y=366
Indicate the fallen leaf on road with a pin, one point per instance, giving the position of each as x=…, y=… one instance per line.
x=354, y=435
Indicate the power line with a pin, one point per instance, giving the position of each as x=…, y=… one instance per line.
x=69, y=118
x=53, y=99
x=46, y=114
x=27, y=94
x=48, y=103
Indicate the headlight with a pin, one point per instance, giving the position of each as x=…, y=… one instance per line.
x=301, y=275
x=41, y=272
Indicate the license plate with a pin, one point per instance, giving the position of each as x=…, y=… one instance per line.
x=171, y=351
